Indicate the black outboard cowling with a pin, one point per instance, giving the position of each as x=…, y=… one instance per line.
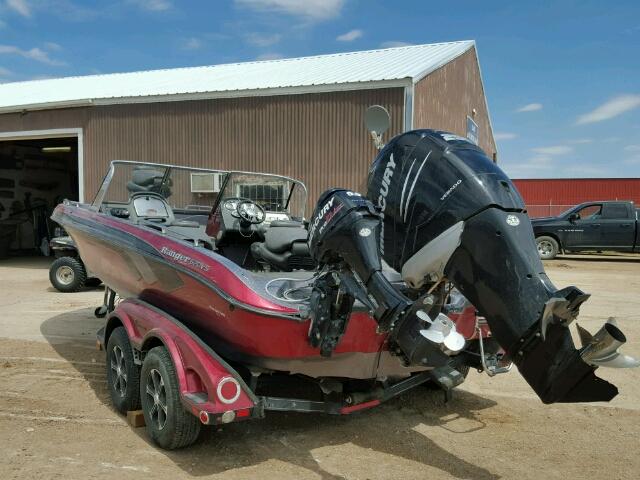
x=413, y=181
x=345, y=228
x=450, y=212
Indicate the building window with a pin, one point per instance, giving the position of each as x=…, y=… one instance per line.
x=271, y=197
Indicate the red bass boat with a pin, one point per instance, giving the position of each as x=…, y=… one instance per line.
x=231, y=298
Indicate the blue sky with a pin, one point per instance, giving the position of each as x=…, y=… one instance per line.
x=562, y=78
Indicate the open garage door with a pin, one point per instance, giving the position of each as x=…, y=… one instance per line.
x=35, y=175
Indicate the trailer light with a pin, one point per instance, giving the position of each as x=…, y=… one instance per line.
x=228, y=416
x=204, y=417
x=245, y=412
x=228, y=390
x=359, y=406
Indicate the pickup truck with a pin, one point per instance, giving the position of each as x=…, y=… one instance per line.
x=611, y=226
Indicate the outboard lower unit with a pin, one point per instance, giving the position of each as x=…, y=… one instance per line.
x=450, y=213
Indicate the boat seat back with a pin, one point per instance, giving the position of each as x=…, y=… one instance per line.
x=285, y=247
x=280, y=239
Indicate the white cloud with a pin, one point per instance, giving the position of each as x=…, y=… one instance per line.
x=580, y=141
x=263, y=39
x=540, y=160
x=71, y=12
x=632, y=148
x=350, y=36
x=394, y=44
x=635, y=160
x=153, y=5
x=554, y=150
x=585, y=171
x=35, y=53
x=42, y=76
x=544, y=166
x=530, y=107
x=192, y=44
x=270, y=56
x=4, y=72
x=310, y=9
x=534, y=167
x=52, y=46
x=504, y=136
x=20, y=6
x=66, y=10
x=610, y=109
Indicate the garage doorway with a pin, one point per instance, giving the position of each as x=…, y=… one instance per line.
x=38, y=170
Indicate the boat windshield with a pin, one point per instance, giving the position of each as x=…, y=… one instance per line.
x=278, y=195
x=195, y=189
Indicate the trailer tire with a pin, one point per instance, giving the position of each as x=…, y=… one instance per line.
x=168, y=423
x=548, y=247
x=123, y=375
x=67, y=274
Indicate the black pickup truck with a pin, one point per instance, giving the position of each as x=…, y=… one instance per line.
x=610, y=226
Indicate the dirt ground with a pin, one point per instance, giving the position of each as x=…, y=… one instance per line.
x=56, y=420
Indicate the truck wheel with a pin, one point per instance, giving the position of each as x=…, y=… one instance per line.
x=123, y=375
x=547, y=247
x=67, y=274
x=169, y=424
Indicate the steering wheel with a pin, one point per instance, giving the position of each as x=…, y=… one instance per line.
x=250, y=212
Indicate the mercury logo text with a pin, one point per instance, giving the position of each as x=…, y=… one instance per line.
x=382, y=198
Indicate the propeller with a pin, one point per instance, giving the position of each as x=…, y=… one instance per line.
x=601, y=349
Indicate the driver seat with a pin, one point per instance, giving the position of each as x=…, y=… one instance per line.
x=285, y=247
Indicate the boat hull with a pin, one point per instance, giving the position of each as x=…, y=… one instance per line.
x=218, y=301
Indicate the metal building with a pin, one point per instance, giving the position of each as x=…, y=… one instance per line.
x=301, y=117
x=551, y=196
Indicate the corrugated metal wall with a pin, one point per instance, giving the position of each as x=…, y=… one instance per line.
x=545, y=197
x=44, y=119
x=443, y=99
x=319, y=138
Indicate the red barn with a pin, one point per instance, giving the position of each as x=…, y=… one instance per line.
x=551, y=196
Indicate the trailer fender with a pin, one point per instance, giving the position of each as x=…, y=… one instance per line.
x=209, y=387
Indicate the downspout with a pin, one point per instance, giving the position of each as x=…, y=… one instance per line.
x=408, y=107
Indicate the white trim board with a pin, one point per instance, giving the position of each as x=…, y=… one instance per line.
x=182, y=97
x=55, y=133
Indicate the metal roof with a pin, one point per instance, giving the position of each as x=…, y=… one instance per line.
x=388, y=67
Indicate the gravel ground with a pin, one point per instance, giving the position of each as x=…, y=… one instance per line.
x=56, y=420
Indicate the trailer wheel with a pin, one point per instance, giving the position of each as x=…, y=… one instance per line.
x=548, y=247
x=123, y=375
x=168, y=423
x=67, y=274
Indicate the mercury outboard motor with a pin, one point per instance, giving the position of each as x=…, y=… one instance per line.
x=344, y=234
x=449, y=212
